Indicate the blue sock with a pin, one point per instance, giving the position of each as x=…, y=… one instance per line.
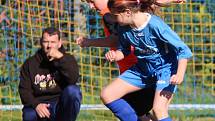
x=122, y=110
x=166, y=119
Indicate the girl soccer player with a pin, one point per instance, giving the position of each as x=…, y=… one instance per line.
x=137, y=100
x=162, y=58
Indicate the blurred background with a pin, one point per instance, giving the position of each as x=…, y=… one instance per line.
x=21, y=25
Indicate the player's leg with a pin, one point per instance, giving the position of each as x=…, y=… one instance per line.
x=129, y=81
x=116, y=89
x=149, y=117
x=111, y=97
x=147, y=103
x=161, y=104
x=142, y=101
x=163, y=94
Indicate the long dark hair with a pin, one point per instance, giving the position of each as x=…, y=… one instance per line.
x=117, y=6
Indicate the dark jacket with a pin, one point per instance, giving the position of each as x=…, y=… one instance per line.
x=42, y=80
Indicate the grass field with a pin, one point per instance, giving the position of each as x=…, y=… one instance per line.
x=104, y=115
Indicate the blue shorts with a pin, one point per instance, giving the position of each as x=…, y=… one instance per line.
x=160, y=78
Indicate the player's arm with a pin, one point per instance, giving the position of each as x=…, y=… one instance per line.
x=110, y=41
x=179, y=76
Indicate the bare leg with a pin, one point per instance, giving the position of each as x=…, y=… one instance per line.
x=161, y=103
x=116, y=89
x=111, y=97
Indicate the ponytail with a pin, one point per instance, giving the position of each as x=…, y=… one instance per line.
x=134, y=5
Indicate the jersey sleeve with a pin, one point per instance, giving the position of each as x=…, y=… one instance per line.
x=166, y=34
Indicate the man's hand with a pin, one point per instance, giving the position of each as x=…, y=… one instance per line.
x=53, y=54
x=83, y=42
x=42, y=110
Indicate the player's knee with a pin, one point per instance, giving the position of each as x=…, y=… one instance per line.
x=104, y=95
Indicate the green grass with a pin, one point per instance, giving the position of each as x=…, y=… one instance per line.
x=104, y=115
x=10, y=115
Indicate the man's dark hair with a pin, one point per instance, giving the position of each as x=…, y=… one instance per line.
x=51, y=31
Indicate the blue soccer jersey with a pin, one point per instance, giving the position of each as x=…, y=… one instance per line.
x=158, y=49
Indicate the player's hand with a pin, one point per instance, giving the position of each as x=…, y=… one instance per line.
x=176, y=79
x=111, y=55
x=83, y=42
x=53, y=54
x=42, y=110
